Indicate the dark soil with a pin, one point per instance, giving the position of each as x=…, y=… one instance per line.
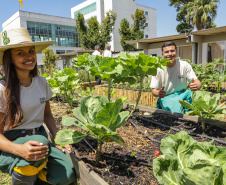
x=128, y=168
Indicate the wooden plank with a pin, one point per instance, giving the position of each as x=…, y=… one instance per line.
x=184, y=116
x=85, y=175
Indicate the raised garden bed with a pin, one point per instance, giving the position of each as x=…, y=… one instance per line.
x=131, y=163
x=86, y=85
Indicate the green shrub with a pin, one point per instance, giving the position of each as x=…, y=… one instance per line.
x=83, y=76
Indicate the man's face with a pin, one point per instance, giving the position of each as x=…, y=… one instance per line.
x=170, y=53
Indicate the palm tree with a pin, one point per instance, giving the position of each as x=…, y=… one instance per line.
x=201, y=12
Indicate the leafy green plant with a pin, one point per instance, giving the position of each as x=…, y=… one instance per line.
x=99, y=118
x=205, y=106
x=84, y=76
x=139, y=67
x=188, y=162
x=107, y=68
x=65, y=83
x=211, y=74
x=49, y=61
x=133, y=154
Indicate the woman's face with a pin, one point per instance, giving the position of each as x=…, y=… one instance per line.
x=24, y=58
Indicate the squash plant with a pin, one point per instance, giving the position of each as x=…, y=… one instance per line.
x=188, y=162
x=205, y=106
x=139, y=67
x=99, y=118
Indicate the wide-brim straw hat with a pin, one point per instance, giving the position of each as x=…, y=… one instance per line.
x=19, y=37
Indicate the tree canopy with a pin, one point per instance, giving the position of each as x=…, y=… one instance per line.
x=135, y=32
x=189, y=14
x=93, y=33
x=202, y=13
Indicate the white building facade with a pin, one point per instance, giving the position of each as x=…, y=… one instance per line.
x=123, y=9
x=47, y=27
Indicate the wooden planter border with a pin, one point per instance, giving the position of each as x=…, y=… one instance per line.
x=86, y=84
x=195, y=119
x=85, y=175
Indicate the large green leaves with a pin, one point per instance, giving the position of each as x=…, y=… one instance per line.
x=141, y=65
x=68, y=136
x=188, y=162
x=205, y=105
x=96, y=116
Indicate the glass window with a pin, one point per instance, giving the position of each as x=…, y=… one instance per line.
x=145, y=36
x=146, y=13
x=67, y=51
x=60, y=51
x=146, y=24
x=86, y=10
x=63, y=35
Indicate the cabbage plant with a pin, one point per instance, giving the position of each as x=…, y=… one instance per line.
x=205, y=106
x=98, y=117
x=188, y=162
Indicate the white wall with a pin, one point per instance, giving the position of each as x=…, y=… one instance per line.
x=224, y=50
x=151, y=19
x=123, y=9
x=156, y=51
x=12, y=22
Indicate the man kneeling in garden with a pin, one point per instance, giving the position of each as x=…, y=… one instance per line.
x=170, y=85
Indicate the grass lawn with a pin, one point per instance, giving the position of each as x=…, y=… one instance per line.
x=5, y=179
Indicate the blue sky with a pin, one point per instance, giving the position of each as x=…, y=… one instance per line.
x=166, y=15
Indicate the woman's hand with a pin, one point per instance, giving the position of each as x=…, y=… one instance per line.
x=33, y=151
x=67, y=147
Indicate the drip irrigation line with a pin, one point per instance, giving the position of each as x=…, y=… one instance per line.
x=144, y=133
x=157, y=123
x=129, y=160
x=178, y=130
x=176, y=118
x=171, y=116
x=115, y=158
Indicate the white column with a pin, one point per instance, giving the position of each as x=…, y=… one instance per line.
x=204, y=53
x=194, y=53
x=224, y=50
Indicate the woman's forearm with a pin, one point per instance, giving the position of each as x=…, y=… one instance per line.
x=8, y=146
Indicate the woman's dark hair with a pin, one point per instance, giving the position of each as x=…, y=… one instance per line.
x=13, y=109
x=169, y=43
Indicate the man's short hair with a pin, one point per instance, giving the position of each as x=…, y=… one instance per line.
x=97, y=47
x=169, y=43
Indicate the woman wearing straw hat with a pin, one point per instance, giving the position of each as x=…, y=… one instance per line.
x=25, y=152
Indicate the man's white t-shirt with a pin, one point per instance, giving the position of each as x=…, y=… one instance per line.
x=173, y=78
x=32, y=100
x=96, y=53
x=107, y=53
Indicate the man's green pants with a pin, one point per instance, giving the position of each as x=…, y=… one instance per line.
x=171, y=102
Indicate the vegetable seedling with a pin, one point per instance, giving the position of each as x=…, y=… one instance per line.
x=205, y=106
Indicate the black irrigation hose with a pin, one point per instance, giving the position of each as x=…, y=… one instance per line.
x=114, y=158
x=171, y=116
x=144, y=133
x=178, y=130
x=157, y=123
